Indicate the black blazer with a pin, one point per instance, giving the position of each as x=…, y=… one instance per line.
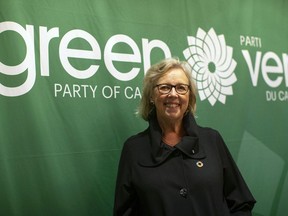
x=196, y=177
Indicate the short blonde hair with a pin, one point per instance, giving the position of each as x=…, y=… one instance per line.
x=154, y=73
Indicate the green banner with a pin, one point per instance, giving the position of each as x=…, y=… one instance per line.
x=70, y=82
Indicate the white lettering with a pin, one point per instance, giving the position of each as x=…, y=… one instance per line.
x=147, y=48
x=271, y=96
x=111, y=91
x=74, y=90
x=45, y=38
x=130, y=93
x=285, y=66
x=271, y=68
x=110, y=56
x=57, y=89
x=283, y=95
x=65, y=53
x=266, y=69
x=67, y=91
x=27, y=64
x=93, y=90
x=254, y=71
x=250, y=41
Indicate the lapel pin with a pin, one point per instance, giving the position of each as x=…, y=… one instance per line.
x=199, y=164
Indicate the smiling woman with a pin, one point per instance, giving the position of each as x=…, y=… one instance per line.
x=170, y=105
x=176, y=167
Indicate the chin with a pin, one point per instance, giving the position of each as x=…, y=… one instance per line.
x=174, y=116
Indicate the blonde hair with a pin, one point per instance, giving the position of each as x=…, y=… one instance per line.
x=154, y=73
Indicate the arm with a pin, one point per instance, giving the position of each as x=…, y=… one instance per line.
x=125, y=200
x=239, y=199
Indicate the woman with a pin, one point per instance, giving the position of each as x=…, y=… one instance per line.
x=175, y=167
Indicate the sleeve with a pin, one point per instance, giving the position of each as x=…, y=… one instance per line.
x=238, y=197
x=125, y=200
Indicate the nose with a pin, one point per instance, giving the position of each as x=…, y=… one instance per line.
x=173, y=91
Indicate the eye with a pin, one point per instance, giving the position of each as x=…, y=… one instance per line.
x=181, y=88
x=164, y=88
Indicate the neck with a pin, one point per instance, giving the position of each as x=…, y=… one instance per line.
x=172, y=132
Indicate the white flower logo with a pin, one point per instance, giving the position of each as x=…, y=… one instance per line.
x=212, y=65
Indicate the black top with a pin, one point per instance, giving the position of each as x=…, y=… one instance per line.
x=197, y=177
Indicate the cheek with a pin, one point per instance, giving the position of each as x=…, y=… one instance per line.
x=156, y=97
x=159, y=101
x=185, y=102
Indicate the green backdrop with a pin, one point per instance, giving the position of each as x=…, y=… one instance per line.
x=70, y=81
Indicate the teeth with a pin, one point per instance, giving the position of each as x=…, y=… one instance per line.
x=171, y=105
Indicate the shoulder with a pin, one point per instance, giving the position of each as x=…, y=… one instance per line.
x=135, y=146
x=137, y=137
x=210, y=138
x=209, y=132
x=137, y=141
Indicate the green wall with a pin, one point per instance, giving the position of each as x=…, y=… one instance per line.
x=70, y=81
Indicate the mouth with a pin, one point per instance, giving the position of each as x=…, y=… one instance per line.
x=171, y=105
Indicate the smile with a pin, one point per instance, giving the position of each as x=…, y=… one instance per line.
x=171, y=105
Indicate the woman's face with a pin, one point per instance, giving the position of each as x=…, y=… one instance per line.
x=171, y=106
